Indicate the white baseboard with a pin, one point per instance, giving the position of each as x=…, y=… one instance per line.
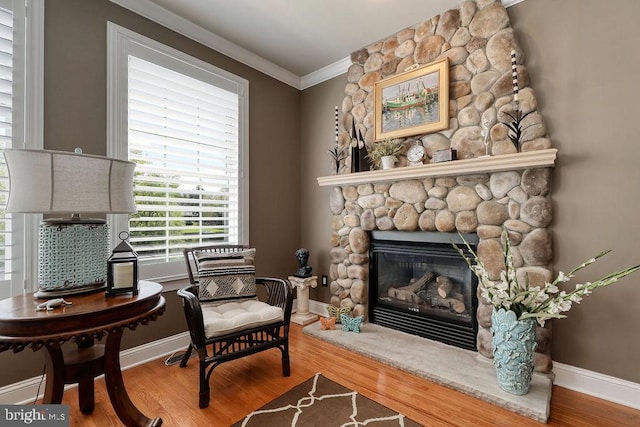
x=317, y=307
x=588, y=382
x=595, y=384
x=25, y=392
x=581, y=380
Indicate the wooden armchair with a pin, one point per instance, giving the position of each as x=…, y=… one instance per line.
x=230, y=327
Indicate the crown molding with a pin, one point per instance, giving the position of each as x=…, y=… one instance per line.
x=325, y=73
x=509, y=3
x=187, y=28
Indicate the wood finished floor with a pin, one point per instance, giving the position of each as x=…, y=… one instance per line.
x=241, y=386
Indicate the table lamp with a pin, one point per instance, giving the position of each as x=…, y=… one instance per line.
x=72, y=250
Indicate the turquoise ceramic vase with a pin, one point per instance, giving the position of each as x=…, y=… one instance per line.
x=514, y=344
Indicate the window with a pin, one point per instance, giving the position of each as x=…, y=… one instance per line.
x=182, y=121
x=20, y=127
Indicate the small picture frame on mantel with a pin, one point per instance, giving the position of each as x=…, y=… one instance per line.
x=444, y=155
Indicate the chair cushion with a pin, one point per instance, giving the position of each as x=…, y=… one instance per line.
x=224, y=276
x=222, y=319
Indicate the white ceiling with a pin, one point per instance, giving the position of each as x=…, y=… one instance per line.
x=290, y=39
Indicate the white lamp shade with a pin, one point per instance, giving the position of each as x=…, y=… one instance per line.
x=56, y=182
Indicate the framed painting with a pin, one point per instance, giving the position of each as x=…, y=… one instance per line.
x=413, y=102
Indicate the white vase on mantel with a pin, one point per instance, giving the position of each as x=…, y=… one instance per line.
x=388, y=162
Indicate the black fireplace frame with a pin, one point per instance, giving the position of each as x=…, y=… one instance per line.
x=448, y=331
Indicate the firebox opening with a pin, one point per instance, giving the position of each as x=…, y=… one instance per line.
x=419, y=284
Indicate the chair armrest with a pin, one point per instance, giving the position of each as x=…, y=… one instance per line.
x=193, y=314
x=279, y=294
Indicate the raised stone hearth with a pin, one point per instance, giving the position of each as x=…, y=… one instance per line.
x=459, y=369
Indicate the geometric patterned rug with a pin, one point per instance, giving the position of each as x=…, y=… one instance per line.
x=320, y=402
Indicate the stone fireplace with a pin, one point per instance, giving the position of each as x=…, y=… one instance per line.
x=477, y=195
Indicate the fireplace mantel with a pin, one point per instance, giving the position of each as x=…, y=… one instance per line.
x=501, y=163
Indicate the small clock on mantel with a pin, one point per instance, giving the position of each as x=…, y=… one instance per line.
x=415, y=154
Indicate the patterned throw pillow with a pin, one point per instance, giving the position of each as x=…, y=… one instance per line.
x=225, y=276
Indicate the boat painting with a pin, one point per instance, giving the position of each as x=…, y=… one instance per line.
x=406, y=98
x=409, y=103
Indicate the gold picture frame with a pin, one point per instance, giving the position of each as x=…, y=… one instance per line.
x=413, y=102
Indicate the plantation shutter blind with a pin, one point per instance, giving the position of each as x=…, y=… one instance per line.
x=6, y=123
x=183, y=136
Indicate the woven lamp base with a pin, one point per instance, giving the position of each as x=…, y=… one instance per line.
x=72, y=256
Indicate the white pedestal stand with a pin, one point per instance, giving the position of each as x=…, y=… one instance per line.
x=302, y=315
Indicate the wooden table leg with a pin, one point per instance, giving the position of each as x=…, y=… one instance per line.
x=86, y=395
x=54, y=370
x=125, y=409
x=82, y=365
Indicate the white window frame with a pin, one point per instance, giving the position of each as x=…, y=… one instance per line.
x=28, y=124
x=122, y=42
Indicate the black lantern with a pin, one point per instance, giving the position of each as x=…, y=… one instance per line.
x=122, y=269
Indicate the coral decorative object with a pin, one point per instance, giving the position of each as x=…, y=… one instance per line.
x=327, y=323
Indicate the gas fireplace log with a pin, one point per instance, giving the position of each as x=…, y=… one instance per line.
x=432, y=289
x=416, y=285
x=456, y=305
x=430, y=295
x=444, y=286
x=457, y=295
x=408, y=292
x=403, y=294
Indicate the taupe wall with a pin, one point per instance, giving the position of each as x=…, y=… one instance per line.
x=582, y=58
x=318, y=135
x=75, y=116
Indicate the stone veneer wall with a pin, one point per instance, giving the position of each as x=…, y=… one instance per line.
x=478, y=40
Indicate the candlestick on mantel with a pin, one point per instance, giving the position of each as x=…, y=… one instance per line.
x=514, y=74
x=336, y=124
x=337, y=153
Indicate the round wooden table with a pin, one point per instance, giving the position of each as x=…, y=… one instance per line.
x=91, y=316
